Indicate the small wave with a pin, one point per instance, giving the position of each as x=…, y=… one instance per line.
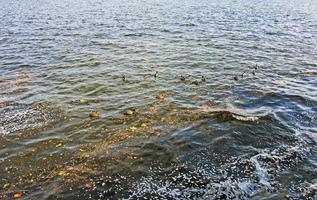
x=137, y=34
x=230, y=115
x=188, y=24
x=165, y=30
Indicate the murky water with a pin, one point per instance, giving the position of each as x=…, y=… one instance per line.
x=218, y=99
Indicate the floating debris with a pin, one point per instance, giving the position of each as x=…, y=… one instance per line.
x=58, y=145
x=155, y=75
x=133, y=128
x=83, y=101
x=308, y=73
x=182, y=78
x=6, y=186
x=89, y=185
x=236, y=78
x=62, y=173
x=153, y=109
x=123, y=78
x=18, y=195
x=131, y=111
x=203, y=79
x=94, y=114
x=160, y=96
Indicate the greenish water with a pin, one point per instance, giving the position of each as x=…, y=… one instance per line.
x=230, y=114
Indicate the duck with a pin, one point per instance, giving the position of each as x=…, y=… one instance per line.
x=155, y=75
x=145, y=76
x=183, y=78
x=256, y=67
x=236, y=78
x=195, y=82
x=123, y=78
x=203, y=79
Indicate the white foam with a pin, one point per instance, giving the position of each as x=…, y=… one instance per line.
x=261, y=171
x=245, y=118
x=2, y=131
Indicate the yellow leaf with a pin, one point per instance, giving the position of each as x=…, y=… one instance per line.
x=89, y=185
x=58, y=145
x=6, y=186
x=133, y=128
x=62, y=173
x=83, y=101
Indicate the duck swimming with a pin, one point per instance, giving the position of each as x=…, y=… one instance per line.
x=145, y=76
x=203, y=79
x=195, y=82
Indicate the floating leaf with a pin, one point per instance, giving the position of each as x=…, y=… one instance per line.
x=160, y=97
x=83, y=101
x=18, y=194
x=133, y=128
x=94, y=114
x=153, y=109
x=89, y=185
x=62, y=173
x=58, y=145
x=6, y=186
x=129, y=112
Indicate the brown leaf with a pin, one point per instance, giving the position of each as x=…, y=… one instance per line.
x=95, y=114
x=89, y=185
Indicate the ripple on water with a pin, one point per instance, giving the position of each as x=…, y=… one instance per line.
x=253, y=136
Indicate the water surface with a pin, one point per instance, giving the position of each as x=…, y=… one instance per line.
x=219, y=138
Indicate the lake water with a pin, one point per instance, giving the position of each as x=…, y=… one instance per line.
x=197, y=99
